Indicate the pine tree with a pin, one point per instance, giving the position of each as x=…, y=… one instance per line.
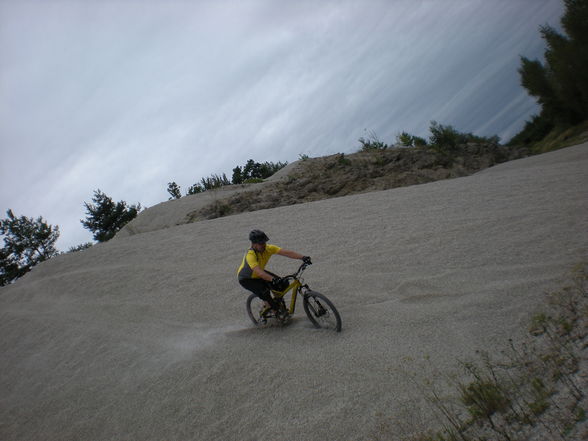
x=174, y=190
x=26, y=243
x=237, y=175
x=560, y=84
x=105, y=218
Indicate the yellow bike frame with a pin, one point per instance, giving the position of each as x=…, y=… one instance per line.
x=295, y=288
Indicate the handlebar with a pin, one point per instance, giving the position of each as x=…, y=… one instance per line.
x=298, y=272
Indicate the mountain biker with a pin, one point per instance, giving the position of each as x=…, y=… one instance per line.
x=252, y=274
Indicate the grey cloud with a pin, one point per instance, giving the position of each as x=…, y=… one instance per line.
x=125, y=96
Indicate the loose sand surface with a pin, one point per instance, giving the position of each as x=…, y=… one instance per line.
x=146, y=337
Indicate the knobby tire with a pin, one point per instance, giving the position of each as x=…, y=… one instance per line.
x=254, y=305
x=321, y=311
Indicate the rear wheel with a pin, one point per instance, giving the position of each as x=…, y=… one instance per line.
x=259, y=316
x=321, y=311
x=254, y=308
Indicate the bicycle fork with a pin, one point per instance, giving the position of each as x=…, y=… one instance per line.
x=317, y=306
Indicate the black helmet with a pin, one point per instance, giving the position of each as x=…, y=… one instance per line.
x=258, y=236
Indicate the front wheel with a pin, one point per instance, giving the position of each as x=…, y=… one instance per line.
x=321, y=311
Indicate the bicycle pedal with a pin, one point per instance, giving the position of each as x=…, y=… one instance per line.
x=283, y=317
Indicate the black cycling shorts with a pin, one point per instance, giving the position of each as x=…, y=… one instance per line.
x=259, y=287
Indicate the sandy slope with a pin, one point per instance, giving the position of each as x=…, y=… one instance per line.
x=146, y=337
x=176, y=211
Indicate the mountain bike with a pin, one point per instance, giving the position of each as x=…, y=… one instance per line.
x=319, y=309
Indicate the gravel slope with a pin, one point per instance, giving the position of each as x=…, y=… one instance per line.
x=146, y=337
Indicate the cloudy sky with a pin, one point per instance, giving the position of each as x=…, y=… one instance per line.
x=126, y=96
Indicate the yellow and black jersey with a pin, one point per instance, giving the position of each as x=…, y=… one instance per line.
x=254, y=258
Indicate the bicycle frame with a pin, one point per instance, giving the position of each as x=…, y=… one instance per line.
x=295, y=286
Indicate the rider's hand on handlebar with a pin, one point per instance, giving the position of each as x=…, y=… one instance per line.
x=306, y=260
x=276, y=282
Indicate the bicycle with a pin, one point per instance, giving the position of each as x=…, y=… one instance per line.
x=319, y=309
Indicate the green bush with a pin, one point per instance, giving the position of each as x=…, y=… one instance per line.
x=195, y=189
x=405, y=139
x=447, y=140
x=214, y=181
x=255, y=170
x=372, y=142
x=444, y=139
x=419, y=142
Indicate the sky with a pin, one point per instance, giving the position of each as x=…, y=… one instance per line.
x=126, y=96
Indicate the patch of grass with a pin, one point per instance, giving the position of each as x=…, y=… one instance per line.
x=483, y=398
x=217, y=209
x=532, y=391
x=561, y=137
x=343, y=160
x=253, y=181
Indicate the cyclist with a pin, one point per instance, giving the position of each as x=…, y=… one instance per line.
x=252, y=274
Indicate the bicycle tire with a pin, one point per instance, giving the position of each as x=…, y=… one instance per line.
x=254, y=306
x=321, y=311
